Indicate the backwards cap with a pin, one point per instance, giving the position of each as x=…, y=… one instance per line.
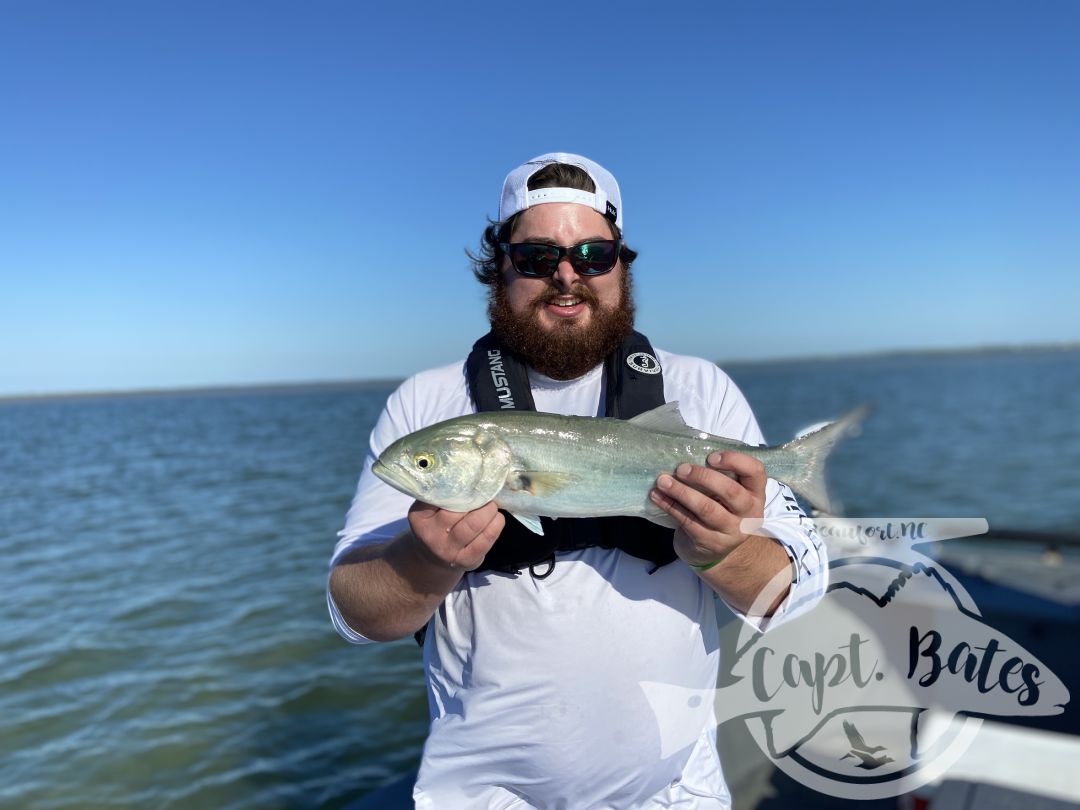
x=516, y=196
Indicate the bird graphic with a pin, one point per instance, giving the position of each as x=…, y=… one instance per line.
x=862, y=751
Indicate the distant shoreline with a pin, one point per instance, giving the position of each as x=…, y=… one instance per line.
x=210, y=390
x=338, y=385
x=967, y=351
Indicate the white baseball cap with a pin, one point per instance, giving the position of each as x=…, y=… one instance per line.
x=516, y=196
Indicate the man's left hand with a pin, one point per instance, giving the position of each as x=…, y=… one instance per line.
x=710, y=502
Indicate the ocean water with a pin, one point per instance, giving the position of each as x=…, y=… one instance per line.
x=164, y=639
x=994, y=435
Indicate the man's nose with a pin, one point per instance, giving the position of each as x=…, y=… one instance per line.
x=565, y=275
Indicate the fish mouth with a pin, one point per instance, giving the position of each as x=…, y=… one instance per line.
x=390, y=475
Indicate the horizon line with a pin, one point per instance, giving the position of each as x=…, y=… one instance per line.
x=374, y=382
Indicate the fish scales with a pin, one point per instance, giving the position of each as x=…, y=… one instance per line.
x=615, y=464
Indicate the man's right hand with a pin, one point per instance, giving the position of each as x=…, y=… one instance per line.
x=456, y=540
x=388, y=591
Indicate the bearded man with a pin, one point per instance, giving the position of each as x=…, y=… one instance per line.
x=535, y=646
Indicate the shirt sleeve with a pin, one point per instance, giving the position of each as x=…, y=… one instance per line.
x=378, y=512
x=785, y=520
x=788, y=524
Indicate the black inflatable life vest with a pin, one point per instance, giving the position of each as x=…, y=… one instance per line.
x=633, y=384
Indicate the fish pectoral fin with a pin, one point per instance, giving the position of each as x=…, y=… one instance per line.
x=530, y=522
x=668, y=419
x=539, y=482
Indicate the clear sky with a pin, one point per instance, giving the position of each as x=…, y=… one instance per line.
x=239, y=192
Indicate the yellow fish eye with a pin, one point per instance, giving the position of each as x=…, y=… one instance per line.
x=424, y=461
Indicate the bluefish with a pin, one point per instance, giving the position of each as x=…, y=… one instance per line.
x=535, y=464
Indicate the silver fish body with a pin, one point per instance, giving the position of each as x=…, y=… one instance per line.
x=534, y=464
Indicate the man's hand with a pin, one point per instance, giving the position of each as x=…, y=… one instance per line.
x=710, y=502
x=458, y=540
x=389, y=590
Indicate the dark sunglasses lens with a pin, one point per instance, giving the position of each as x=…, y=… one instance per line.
x=534, y=260
x=594, y=258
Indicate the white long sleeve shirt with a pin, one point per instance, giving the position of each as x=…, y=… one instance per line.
x=533, y=684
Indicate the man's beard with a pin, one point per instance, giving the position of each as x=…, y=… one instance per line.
x=567, y=350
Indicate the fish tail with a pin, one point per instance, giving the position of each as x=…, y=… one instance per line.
x=810, y=452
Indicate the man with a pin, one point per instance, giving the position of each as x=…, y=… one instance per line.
x=534, y=653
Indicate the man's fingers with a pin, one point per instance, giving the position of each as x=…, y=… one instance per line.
x=471, y=556
x=749, y=471
x=456, y=539
x=717, y=486
x=471, y=524
x=686, y=519
x=689, y=523
x=423, y=511
x=693, y=501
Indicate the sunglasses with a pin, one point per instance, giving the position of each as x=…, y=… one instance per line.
x=537, y=260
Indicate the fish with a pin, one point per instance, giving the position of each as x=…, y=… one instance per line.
x=533, y=463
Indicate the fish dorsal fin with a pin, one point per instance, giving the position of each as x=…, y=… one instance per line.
x=668, y=419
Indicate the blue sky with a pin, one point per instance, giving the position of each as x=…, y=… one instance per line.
x=243, y=192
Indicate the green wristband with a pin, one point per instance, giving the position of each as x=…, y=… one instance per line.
x=707, y=566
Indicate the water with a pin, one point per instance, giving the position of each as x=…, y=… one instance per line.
x=164, y=639
x=971, y=435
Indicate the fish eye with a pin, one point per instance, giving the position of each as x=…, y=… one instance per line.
x=424, y=461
